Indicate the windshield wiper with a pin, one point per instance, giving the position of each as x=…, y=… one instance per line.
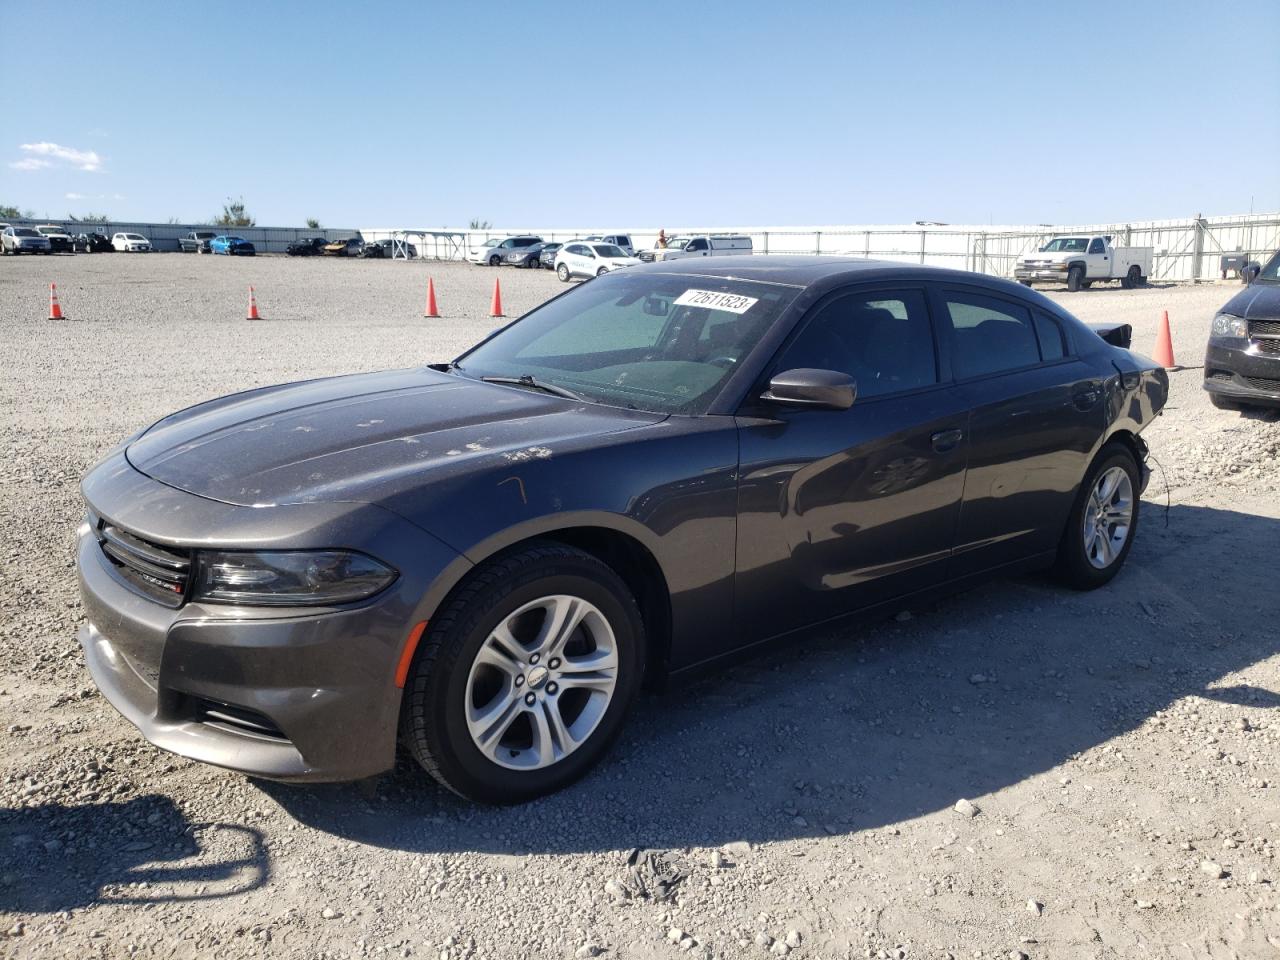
x=528, y=381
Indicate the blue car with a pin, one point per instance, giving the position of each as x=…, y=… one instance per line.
x=232, y=246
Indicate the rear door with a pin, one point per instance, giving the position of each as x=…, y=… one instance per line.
x=840, y=509
x=1036, y=414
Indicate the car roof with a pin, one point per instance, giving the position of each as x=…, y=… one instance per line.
x=805, y=271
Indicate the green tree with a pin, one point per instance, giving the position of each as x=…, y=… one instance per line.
x=313, y=223
x=478, y=224
x=90, y=218
x=234, y=215
x=7, y=211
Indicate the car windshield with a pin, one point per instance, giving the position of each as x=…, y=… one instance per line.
x=24, y=232
x=1271, y=272
x=133, y=236
x=676, y=243
x=1065, y=245
x=664, y=343
x=608, y=250
x=48, y=230
x=492, y=243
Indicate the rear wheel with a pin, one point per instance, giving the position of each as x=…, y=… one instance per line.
x=1075, y=278
x=563, y=273
x=1135, y=276
x=525, y=676
x=1025, y=283
x=1103, y=521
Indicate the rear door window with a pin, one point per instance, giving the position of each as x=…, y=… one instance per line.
x=989, y=335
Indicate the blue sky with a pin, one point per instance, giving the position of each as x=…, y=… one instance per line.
x=643, y=113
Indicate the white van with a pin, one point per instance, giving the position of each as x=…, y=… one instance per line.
x=620, y=240
x=708, y=245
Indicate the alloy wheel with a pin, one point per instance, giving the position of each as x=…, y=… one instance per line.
x=541, y=682
x=1108, y=517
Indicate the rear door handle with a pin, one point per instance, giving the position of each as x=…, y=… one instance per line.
x=944, y=441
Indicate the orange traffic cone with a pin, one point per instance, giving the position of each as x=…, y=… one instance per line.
x=1164, y=343
x=55, y=309
x=496, y=309
x=431, y=310
x=253, y=306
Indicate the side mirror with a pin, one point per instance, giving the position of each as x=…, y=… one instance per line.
x=806, y=387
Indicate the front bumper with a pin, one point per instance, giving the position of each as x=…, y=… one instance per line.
x=305, y=694
x=1242, y=373
x=1026, y=272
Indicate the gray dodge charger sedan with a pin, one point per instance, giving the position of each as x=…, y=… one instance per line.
x=656, y=472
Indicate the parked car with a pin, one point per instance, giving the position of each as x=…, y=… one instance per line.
x=547, y=255
x=92, y=243
x=17, y=240
x=666, y=452
x=59, y=240
x=525, y=256
x=1079, y=262
x=385, y=250
x=1242, y=361
x=703, y=246
x=197, y=241
x=307, y=247
x=582, y=259
x=493, y=251
x=130, y=243
x=619, y=240
x=347, y=247
x=232, y=246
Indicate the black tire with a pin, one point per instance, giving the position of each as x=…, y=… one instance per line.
x=495, y=260
x=1025, y=283
x=562, y=272
x=1223, y=403
x=1086, y=284
x=1075, y=276
x=433, y=723
x=602, y=271
x=1073, y=566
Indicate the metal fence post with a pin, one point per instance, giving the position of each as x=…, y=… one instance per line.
x=817, y=241
x=922, y=236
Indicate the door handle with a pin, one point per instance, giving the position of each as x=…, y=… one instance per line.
x=944, y=441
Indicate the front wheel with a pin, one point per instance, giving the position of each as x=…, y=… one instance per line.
x=494, y=260
x=1103, y=521
x=563, y=273
x=1075, y=278
x=602, y=271
x=525, y=676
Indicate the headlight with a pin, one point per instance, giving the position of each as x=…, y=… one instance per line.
x=1227, y=326
x=288, y=578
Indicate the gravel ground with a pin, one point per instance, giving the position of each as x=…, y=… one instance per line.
x=1018, y=771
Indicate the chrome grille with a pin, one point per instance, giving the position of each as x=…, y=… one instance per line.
x=1264, y=328
x=160, y=572
x=1270, y=347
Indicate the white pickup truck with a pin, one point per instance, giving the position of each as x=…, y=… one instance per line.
x=1080, y=261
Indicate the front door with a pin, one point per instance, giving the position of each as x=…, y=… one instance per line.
x=840, y=509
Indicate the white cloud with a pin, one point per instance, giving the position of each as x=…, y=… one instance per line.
x=29, y=163
x=75, y=196
x=37, y=153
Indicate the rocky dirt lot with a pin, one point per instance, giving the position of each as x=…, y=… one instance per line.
x=1020, y=771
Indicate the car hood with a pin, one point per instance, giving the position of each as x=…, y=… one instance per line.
x=361, y=437
x=1258, y=301
x=1057, y=256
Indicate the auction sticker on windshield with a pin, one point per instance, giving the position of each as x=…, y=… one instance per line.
x=730, y=302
